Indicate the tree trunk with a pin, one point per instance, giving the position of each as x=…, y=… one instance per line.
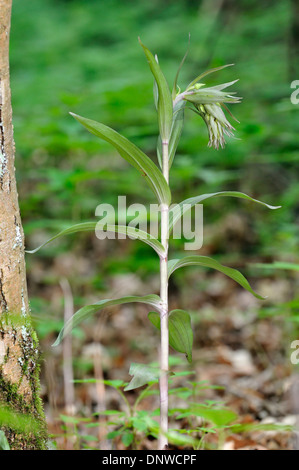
x=21, y=414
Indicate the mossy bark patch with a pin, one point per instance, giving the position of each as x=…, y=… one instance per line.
x=21, y=414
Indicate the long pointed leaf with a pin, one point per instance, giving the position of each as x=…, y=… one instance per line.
x=89, y=310
x=209, y=95
x=199, y=77
x=96, y=226
x=155, y=88
x=175, y=83
x=164, y=95
x=207, y=262
x=132, y=154
x=176, y=131
x=185, y=205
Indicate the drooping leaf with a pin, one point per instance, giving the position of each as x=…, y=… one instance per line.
x=196, y=260
x=164, y=95
x=97, y=226
x=142, y=374
x=154, y=318
x=180, y=331
x=186, y=205
x=132, y=154
x=89, y=310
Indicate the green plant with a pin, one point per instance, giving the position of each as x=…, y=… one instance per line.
x=175, y=326
x=286, y=311
x=201, y=424
x=131, y=425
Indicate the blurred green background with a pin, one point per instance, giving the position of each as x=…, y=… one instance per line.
x=84, y=56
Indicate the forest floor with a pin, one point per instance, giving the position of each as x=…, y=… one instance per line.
x=241, y=361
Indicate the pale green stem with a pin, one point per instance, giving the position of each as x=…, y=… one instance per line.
x=164, y=351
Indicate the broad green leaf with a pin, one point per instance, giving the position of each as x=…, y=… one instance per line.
x=97, y=226
x=176, y=131
x=186, y=205
x=202, y=75
x=180, y=331
x=164, y=95
x=139, y=423
x=132, y=154
x=207, y=262
x=219, y=417
x=127, y=438
x=142, y=374
x=3, y=441
x=113, y=434
x=89, y=310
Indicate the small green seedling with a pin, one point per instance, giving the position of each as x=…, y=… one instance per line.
x=209, y=102
x=209, y=424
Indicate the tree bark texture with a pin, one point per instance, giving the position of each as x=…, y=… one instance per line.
x=21, y=414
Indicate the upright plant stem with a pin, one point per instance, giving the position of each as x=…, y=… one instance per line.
x=164, y=351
